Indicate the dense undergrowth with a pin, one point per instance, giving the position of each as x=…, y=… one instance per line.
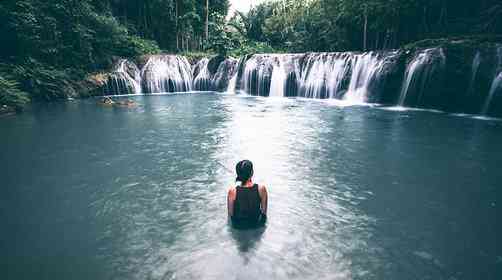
x=49, y=46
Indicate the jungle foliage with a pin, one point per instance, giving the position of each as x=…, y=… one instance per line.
x=341, y=25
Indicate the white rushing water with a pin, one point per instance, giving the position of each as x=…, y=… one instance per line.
x=278, y=81
x=339, y=70
x=125, y=77
x=205, y=80
x=202, y=81
x=166, y=73
x=419, y=72
x=364, y=68
x=256, y=73
x=232, y=83
x=344, y=76
x=496, y=84
x=225, y=72
x=314, y=75
x=476, y=61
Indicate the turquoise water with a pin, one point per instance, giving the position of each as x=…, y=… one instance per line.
x=91, y=192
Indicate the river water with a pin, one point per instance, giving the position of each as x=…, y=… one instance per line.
x=91, y=192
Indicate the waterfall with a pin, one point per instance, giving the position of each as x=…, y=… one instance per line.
x=202, y=80
x=278, y=82
x=232, y=84
x=474, y=71
x=267, y=74
x=257, y=75
x=224, y=74
x=415, y=79
x=314, y=75
x=366, y=67
x=496, y=84
x=124, y=79
x=166, y=73
x=218, y=81
x=419, y=71
x=410, y=71
x=341, y=65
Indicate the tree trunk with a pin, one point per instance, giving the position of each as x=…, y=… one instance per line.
x=365, y=27
x=145, y=19
x=206, y=31
x=177, y=26
x=424, y=22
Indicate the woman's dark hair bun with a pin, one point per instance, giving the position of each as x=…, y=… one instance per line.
x=244, y=170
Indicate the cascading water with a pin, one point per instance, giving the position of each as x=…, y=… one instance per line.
x=202, y=80
x=125, y=78
x=314, y=76
x=476, y=61
x=419, y=71
x=495, y=87
x=496, y=84
x=232, y=84
x=338, y=73
x=166, y=73
x=268, y=74
x=222, y=78
x=366, y=67
x=356, y=78
x=278, y=81
x=257, y=75
x=218, y=81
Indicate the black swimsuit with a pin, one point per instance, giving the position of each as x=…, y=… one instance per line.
x=247, y=210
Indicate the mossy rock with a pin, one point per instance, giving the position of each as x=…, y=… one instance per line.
x=460, y=41
x=93, y=85
x=214, y=63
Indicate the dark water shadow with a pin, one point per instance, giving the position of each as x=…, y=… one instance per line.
x=247, y=239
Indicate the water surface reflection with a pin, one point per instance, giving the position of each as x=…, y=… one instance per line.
x=355, y=192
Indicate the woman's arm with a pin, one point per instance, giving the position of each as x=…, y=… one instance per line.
x=262, y=190
x=230, y=201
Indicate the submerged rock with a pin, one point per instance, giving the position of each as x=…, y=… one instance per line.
x=7, y=110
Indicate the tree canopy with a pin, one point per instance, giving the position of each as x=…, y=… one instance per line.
x=337, y=25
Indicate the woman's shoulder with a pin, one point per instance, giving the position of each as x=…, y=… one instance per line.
x=262, y=188
x=232, y=190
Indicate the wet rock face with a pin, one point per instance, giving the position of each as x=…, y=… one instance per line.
x=225, y=72
x=206, y=78
x=424, y=76
x=214, y=64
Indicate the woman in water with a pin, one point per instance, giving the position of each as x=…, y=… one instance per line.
x=247, y=202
